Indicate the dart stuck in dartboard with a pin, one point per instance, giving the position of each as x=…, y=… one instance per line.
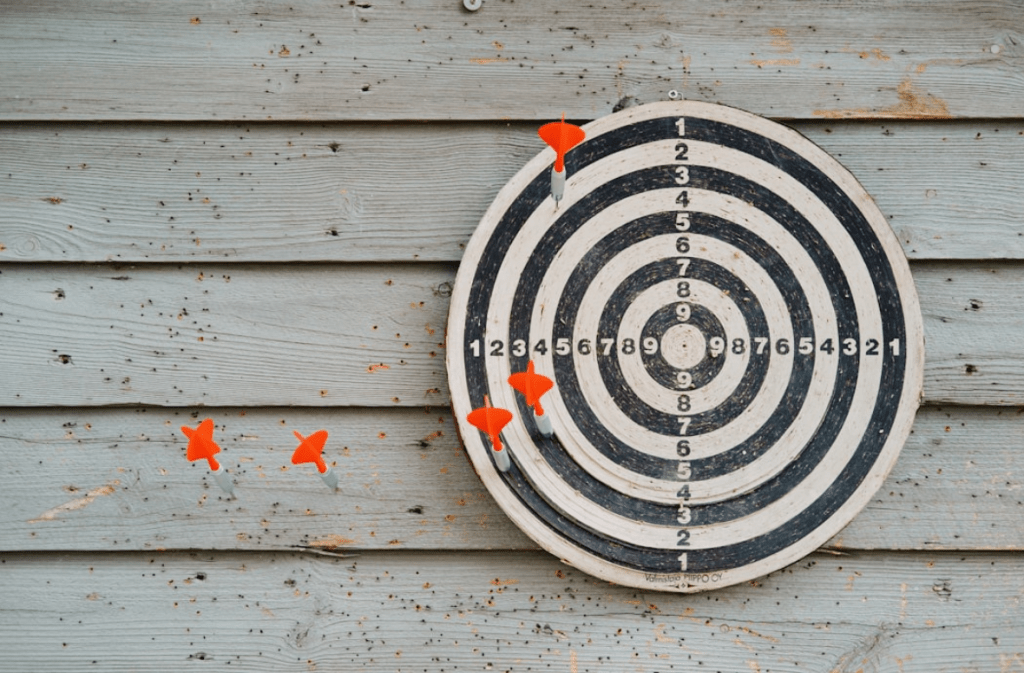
x=561, y=137
x=730, y=336
x=533, y=386
x=490, y=421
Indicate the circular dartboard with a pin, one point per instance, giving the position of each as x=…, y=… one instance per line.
x=732, y=332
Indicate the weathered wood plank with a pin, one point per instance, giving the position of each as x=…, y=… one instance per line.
x=433, y=60
x=405, y=482
x=117, y=479
x=974, y=329
x=350, y=192
x=933, y=613
x=339, y=335
x=236, y=335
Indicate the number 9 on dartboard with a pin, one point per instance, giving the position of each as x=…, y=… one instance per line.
x=726, y=335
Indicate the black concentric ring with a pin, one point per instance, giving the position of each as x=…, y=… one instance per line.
x=665, y=374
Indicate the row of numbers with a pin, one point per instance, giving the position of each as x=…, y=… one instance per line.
x=519, y=347
x=683, y=312
x=804, y=346
x=717, y=346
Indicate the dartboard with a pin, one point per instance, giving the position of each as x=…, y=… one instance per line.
x=732, y=332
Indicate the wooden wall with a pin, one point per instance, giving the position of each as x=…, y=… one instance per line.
x=254, y=211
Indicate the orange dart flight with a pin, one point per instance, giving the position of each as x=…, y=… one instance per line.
x=201, y=444
x=310, y=449
x=490, y=420
x=562, y=137
x=532, y=386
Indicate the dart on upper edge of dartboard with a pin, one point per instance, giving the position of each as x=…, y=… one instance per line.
x=562, y=137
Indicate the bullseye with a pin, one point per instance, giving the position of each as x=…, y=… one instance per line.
x=731, y=332
x=683, y=346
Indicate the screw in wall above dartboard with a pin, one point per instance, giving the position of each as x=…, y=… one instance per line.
x=732, y=332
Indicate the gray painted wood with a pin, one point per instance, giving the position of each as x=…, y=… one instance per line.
x=927, y=613
x=117, y=479
x=320, y=335
x=974, y=319
x=353, y=192
x=342, y=335
x=319, y=60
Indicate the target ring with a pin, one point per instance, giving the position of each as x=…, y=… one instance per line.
x=734, y=337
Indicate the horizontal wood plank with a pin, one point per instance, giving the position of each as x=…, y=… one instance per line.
x=936, y=613
x=319, y=60
x=235, y=335
x=362, y=335
x=400, y=192
x=404, y=482
x=117, y=479
x=973, y=323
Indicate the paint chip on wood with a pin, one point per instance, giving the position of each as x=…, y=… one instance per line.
x=77, y=503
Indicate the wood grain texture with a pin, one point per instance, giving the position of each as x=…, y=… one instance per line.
x=117, y=479
x=319, y=60
x=313, y=334
x=405, y=482
x=934, y=613
x=400, y=192
x=343, y=335
x=974, y=332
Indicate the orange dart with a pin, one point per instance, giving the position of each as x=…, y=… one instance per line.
x=562, y=137
x=310, y=450
x=491, y=420
x=533, y=386
x=201, y=445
